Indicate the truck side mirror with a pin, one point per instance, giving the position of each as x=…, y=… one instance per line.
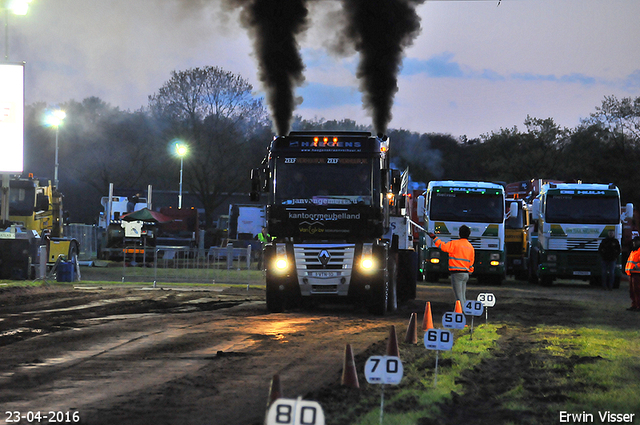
x=535, y=206
x=255, y=185
x=513, y=210
x=385, y=180
x=628, y=212
x=421, y=207
x=396, y=181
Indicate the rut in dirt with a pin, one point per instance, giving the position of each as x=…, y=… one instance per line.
x=519, y=364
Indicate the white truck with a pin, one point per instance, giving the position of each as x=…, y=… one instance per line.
x=447, y=205
x=571, y=219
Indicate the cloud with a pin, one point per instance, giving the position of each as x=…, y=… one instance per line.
x=318, y=95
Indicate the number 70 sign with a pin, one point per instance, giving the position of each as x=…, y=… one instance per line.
x=383, y=370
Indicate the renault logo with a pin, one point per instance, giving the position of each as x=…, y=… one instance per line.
x=324, y=257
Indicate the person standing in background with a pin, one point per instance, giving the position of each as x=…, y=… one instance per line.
x=609, y=251
x=461, y=259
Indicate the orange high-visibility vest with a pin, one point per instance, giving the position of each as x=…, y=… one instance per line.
x=461, y=254
x=633, y=263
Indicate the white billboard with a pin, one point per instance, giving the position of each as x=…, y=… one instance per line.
x=11, y=117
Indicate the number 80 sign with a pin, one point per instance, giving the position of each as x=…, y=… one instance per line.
x=295, y=412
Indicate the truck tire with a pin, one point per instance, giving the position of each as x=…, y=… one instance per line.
x=407, y=275
x=276, y=297
x=379, y=297
x=532, y=270
x=432, y=277
x=546, y=281
x=392, y=299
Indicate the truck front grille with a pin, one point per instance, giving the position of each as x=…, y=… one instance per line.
x=574, y=244
x=324, y=269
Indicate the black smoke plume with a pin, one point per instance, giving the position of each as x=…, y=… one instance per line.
x=380, y=31
x=273, y=26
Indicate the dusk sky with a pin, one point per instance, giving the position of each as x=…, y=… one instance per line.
x=475, y=67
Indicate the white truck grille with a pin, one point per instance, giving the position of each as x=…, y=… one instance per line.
x=324, y=268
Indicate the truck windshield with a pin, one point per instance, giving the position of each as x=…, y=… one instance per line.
x=582, y=209
x=21, y=201
x=323, y=181
x=466, y=207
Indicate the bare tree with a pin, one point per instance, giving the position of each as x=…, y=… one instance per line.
x=216, y=114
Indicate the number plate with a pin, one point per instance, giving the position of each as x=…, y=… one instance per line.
x=383, y=370
x=323, y=274
x=579, y=273
x=295, y=412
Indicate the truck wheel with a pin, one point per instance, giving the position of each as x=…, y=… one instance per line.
x=380, y=298
x=432, y=277
x=392, y=298
x=546, y=281
x=407, y=275
x=276, y=297
x=533, y=276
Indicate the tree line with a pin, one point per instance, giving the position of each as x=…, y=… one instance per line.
x=228, y=129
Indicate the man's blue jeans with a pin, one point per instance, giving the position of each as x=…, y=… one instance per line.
x=608, y=273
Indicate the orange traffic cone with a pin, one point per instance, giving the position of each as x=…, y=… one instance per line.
x=349, y=374
x=392, y=342
x=427, y=320
x=458, y=307
x=412, y=333
x=275, y=392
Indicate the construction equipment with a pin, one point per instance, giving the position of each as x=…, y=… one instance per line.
x=35, y=219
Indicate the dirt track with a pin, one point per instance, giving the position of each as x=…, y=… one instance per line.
x=132, y=356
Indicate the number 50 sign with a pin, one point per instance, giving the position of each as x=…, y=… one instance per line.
x=285, y=411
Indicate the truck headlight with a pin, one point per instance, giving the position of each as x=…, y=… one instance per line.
x=366, y=260
x=281, y=257
x=281, y=263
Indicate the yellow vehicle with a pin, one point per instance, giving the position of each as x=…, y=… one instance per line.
x=35, y=219
x=517, y=240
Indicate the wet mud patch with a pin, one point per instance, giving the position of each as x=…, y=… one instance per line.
x=27, y=312
x=520, y=383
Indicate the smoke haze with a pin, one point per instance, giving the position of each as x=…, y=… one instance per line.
x=273, y=26
x=380, y=31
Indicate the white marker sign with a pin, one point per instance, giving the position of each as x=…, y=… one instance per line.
x=487, y=299
x=438, y=339
x=285, y=411
x=473, y=308
x=383, y=370
x=452, y=320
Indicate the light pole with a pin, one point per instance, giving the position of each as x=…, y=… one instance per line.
x=54, y=119
x=17, y=7
x=181, y=151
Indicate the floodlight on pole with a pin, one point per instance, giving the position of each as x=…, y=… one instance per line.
x=181, y=151
x=17, y=7
x=55, y=119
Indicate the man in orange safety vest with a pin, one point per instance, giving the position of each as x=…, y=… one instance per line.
x=461, y=259
x=633, y=270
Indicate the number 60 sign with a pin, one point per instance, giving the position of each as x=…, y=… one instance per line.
x=438, y=339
